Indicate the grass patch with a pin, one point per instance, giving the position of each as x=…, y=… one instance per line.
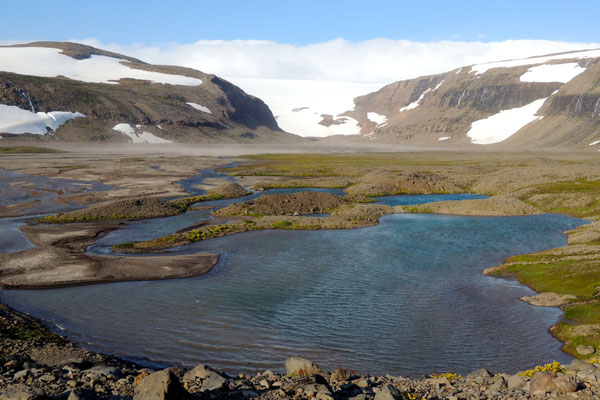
x=282, y=224
x=584, y=313
x=27, y=149
x=577, y=277
x=185, y=203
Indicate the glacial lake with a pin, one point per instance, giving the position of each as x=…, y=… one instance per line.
x=405, y=297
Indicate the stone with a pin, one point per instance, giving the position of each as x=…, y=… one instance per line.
x=179, y=372
x=581, y=365
x=363, y=383
x=265, y=384
x=200, y=372
x=324, y=396
x=104, y=370
x=499, y=385
x=388, y=392
x=268, y=374
x=585, y=350
x=588, y=376
x=138, y=379
x=480, y=373
x=515, y=382
x=81, y=394
x=541, y=382
x=20, y=392
x=300, y=366
x=314, y=389
x=213, y=381
x=21, y=374
x=566, y=384
x=340, y=375
x=47, y=378
x=161, y=385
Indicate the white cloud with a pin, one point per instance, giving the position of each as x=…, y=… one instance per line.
x=376, y=61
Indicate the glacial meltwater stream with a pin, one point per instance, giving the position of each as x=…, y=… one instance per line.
x=404, y=297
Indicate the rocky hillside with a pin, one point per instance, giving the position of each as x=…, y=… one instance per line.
x=72, y=92
x=550, y=101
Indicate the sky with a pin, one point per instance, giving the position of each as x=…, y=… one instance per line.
x=301, y=22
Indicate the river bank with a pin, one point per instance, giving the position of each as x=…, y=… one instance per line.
x=37, y=364
x=487, y=177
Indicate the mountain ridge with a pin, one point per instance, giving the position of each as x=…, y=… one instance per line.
x=107, y=89
x=466, y=107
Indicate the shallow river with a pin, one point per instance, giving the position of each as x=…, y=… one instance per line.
x=404, y=297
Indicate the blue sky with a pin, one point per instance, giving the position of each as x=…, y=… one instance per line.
x=300, y=22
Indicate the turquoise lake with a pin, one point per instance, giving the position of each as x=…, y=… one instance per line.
x=405, y=297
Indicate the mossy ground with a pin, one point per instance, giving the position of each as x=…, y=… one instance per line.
x=26, y=150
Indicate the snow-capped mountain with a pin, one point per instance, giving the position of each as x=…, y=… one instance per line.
x=547, y=101
x=73, y=92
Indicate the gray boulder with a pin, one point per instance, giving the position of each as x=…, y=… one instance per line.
x=585, y=350
x=340, y=375
x=566, y=384
x=480, y=373
x=161, y=385
x=211, y=379
x=582, y=366
x=541, y=382
x=214, y=381
x=515, y=382
x=300, y=366
x=388, y=392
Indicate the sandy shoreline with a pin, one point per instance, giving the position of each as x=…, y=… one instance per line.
x=59, y=259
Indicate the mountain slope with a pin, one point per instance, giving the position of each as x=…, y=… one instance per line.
x=541, y=101
x=79, y=93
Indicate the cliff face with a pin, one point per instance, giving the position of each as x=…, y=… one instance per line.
x=560, y=93
x=188, y=106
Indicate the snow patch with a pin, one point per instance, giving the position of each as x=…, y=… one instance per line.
x=159, y=127
x=444, y=138
x=48, y=62
x=16, y=120
x=482, y=68
x=501, y=126
x=380, y=120
x=552, y=73
x=138, y=137
x=594, y=143
x=298, y=104
x=199, y=107
x=438, y=85
x=416, y=103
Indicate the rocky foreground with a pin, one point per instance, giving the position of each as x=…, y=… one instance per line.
x=39, y=365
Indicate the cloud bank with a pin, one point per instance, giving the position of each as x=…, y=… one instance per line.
x=377, y=60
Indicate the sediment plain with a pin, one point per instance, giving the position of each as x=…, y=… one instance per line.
x=519, y=183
